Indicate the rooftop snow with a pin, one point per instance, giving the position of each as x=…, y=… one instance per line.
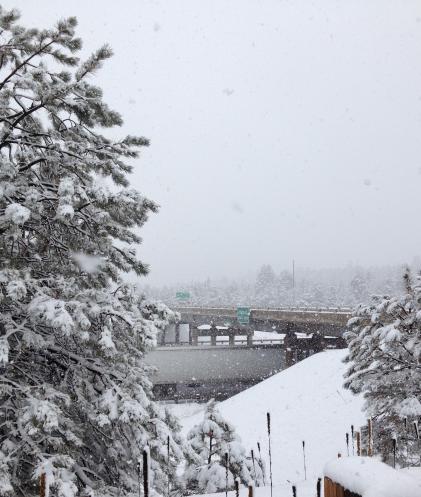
x=369, y=477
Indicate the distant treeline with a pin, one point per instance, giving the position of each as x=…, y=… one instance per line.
x=339, y=287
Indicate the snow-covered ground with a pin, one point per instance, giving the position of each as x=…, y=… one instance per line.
x=304, y=489
x=267, y=335
x=258, y=336
x=186, y=411
x=307, y=403
x=363, y=475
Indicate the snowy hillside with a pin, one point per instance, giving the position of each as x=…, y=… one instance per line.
x=306, y=402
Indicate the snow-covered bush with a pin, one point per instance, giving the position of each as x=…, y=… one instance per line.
x=384, y=341
x=210, y=440
x=75, y=395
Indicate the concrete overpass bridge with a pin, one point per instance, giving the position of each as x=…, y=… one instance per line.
x=309, y=320
x=209, y=361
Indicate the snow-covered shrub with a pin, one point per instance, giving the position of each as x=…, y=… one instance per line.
x=75, y=397
x=384, y=341
x=210, y=440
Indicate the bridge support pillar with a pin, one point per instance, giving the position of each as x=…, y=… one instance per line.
x=193, y=335
x=213, y=332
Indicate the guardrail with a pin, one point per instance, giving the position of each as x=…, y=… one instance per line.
x=273, y=341
x=224, y=343
x=345, y=310
x=326, y=316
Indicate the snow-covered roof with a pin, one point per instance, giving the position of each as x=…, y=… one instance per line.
x=369, y=477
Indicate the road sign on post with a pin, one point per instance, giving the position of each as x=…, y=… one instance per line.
x=243, y=315
x=182, y=296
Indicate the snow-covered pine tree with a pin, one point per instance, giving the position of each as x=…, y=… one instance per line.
x=210, y=440
x=358, y=287
x=75, y=396
x=384, y=341
x=267, y=287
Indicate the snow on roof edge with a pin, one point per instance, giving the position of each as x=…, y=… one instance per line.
x=369, y=477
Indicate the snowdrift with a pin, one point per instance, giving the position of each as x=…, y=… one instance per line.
x=306, y=402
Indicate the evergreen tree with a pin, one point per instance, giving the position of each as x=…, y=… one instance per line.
x=75, y=396
x=266, y=291
x=210, y=441
x=384, y=343
x=358, y=288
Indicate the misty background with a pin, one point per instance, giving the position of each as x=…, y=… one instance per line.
x=279, y=130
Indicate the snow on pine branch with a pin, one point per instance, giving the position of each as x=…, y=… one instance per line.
x=76, y=399
x=384, y=341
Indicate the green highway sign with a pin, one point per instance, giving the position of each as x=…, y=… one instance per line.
x=182, y=296
x=243, y=315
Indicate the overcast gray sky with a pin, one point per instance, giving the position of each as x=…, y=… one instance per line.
x=279, y=129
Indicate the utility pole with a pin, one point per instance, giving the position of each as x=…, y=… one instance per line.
x=293, y=282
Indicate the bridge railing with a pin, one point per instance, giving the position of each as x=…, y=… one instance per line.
x=344, y=310
x=225, y=342
x=244, y=341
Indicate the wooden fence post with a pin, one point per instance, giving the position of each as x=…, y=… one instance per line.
x=270, y=453
x=370, y=438
x=326, y=487
x=394, y=443
x=226, y=474
x=237, y=487
x=146, y=473
x=251, y=490
x=358, y=434
x=42, y=485
x=168, y=466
